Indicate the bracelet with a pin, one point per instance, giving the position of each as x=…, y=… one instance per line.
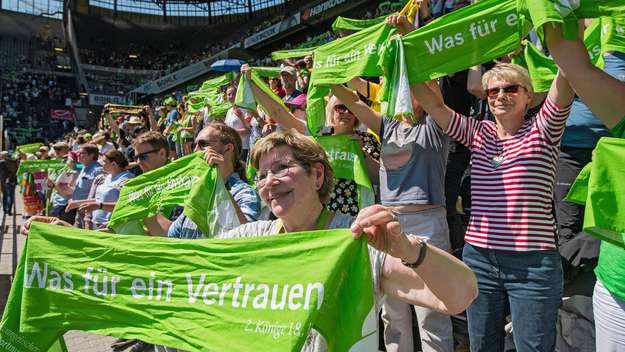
x=420, y=258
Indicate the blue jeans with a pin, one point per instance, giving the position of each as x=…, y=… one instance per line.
x=8, y=197
x=526, y=284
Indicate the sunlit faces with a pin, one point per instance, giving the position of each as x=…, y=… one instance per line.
x=231, y=94
x=507, y=99
x=287, y=186
x=288, y=80
x=209, y=138
x=150, y=158
x=85, y=157
x=344, y=120
x=107, y=165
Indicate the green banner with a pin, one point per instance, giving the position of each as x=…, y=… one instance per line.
x=158, y=190
x=209, y=205
x=602, y=184
x=215, y=83
x=291, y=53
x=346, y=158
x=338, y=62
x=353, y=24
x=348, y=162
x=12, y=339
x=245, y=97
x=568, y=12
x=38, y=165
x=543, y=69
x=198, y=295
x=396, y=96
x=29, y=148
x=613, y=34
x=466, y=37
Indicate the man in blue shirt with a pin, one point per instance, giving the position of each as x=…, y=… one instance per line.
x=222, y=145
x=88, y=157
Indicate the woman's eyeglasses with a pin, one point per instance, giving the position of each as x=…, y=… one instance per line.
x=511, y=89
x=278, y=170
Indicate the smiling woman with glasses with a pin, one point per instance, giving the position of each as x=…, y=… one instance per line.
x=295, y=181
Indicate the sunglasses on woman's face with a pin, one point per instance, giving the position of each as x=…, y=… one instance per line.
x=511, y=89
x=341, y=109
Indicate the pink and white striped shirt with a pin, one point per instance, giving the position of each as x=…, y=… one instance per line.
x=512, y=180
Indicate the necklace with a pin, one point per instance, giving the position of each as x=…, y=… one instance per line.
x=497, y=159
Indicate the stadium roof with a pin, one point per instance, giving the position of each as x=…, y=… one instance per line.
x=182, y=8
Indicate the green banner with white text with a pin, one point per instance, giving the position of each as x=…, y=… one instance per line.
x=158, y=190
x=246, y=294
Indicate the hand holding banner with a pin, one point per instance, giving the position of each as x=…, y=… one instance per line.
x=211, y=295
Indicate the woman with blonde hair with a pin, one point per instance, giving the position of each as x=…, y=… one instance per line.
x=341, y=121
x=511, y=237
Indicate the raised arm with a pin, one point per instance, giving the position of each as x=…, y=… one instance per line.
x=273, y=109
x=151, y=119
x=560, y=91
x=371, y=118
x=429, y=96
x=474, y=82
x=360, y=85
x=602, y=93
x=157, y=225
x=112, y=123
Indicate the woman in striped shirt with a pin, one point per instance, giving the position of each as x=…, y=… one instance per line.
x=510, y=241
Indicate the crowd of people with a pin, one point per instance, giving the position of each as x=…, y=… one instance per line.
x=174, y=56
x=27, y=98
x=520, y=251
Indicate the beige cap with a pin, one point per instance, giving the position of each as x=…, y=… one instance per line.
x=288, y=69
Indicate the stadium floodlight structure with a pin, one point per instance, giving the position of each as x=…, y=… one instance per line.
x=209, y=9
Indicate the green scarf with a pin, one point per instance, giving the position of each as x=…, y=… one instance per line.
x=353, y=24
x=543, y=69
x=466, y=37
x=396, y=96
x=245, y=96
x=209, y=205
x=208, y=95
x=38, y=165
x=29, y=148
x=348, y=162
x=291, y=53
x=158, y=191
x=613, y=34
x=215, y=83
x=338, y=62
x=567, y=12
x=261, y=294
x=601, y=184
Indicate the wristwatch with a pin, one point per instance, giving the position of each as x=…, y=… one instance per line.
x=423, y=247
